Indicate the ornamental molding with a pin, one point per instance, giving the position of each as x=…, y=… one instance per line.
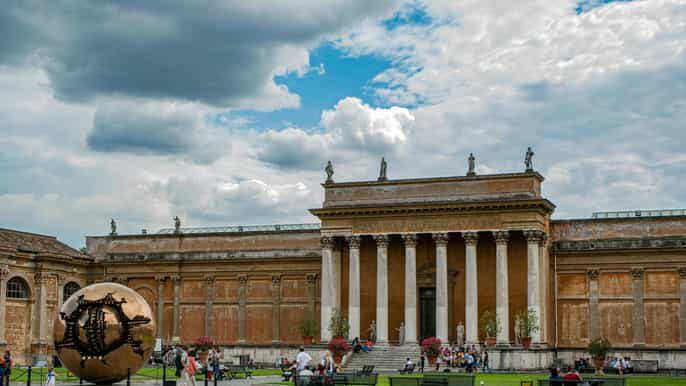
x=620, y=244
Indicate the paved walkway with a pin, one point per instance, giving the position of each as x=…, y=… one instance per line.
x=235, y=382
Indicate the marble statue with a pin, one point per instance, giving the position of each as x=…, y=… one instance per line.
x=528, y=160
x=401, y=333
x=329, y=173
x=518, y=330
x=621, y=329
x=470, y=171
x=113, y=227
x=460, y=334
x=372, y=331
x=382, y=170
x=177, y=224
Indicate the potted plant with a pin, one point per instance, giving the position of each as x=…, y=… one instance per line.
x=338, y=325
x=598, y=349
x=528, y=325
x=308, y=328
x=203, y=344
x=490, y=326
x=338, y=347
x=431, y=347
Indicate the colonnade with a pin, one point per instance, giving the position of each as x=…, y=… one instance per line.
x=330, y=289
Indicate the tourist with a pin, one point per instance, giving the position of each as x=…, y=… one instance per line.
x=438, y=362
x=421, y=363
x=572, y=375
x=469, y=362
x=367, y=346
x=357, y=347
x=626, y=364
x=50, y=380
x=618, y=366
x=486, y=366
x=192, y=367
x=326, y=366
x=3, y=370
x=182, y=367
x=302, y=360
x=408, y=368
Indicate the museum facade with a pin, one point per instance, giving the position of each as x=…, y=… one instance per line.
x=430, y=253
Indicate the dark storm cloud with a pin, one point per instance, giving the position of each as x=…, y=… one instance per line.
x=212, y=52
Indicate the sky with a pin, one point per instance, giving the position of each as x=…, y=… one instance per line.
x=226, y=113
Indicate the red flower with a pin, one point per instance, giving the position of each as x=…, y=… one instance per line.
x=204, y=342
x=339, y=346
x=431, y=346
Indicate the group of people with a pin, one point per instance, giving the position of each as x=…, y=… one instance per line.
x=468, y=357
x=187, y=364
x=570, y=375
x=621, y=364
x=365, y=347
x=5, y=368
x=303, y=366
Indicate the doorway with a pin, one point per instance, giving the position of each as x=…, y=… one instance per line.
x=427, y=312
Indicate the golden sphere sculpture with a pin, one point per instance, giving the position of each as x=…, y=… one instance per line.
x=104, y=330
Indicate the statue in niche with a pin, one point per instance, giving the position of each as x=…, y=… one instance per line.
x=113, y=227
x=401, y=333
x=372, y=332
x=382, y=170
x=329, y=173
x=177, y=224
x=621, y=329
x=460, y=334
x=470, y=162
x=528, y=160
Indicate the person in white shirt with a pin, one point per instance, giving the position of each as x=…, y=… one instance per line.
x=303, y=360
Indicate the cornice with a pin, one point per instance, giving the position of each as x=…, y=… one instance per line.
x=670, y=242
x=424, y=180
x=541, y=204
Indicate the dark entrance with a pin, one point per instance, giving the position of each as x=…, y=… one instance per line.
x=427, y=312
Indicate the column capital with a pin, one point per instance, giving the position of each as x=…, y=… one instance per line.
x=327, y=242
x=311, y=278
x=637, y=273
x=682, y=272
x=440, y=238
x=381, y=240
x=533, y=235
x=276, y=280
x=470, y=238
x=501, y=237
x=209, y=280
x=353, y=241
x=160, y=279
x=175, y=278
x=4, y=271
x=593, y=274
x=410, y=239
x=41, y=277
x=242, y=279
x=60, y=279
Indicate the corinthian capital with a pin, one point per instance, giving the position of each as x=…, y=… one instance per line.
x=353, y=241
x=501, y=237
x=326, y=242
x=470, y=238
x=4, y=271
x=381, y=240
x=533, y=236
x=440, y=238
x=410, y=239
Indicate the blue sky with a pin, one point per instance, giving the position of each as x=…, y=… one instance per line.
x=177, y=111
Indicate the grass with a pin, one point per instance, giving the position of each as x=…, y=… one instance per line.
x=514, y=379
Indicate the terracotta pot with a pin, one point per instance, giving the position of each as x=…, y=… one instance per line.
x=203, y=356
x=526, y=342
x=307, y=340
x=490, y=341
x=432, y=359
x=337, y=358
x=599, y=363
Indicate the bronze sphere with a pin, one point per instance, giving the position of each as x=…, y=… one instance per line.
x=104, y=330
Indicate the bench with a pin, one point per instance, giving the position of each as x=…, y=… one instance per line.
x=435, y=381
x=587, y=381
x=233, y=371
x=352, y=379
x=366, y=370
x=453, y=379
x=404, y=381
x=644, y=366
x=312, y=380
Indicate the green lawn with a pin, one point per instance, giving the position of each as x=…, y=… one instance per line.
x=514, y=379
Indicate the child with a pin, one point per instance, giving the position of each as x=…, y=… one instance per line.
x=50, y=381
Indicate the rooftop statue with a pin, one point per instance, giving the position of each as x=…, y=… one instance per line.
x=528, y=160
x=177, y=224
x=470, y=161
x=113, y=227
x=329, y=173
x=382, y=170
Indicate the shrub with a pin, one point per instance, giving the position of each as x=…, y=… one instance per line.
x=338, y=325
x=308, y=327
x=529, y=322
x=489, y=324
x=599, y=348
x=431, y=346
x=339, y=346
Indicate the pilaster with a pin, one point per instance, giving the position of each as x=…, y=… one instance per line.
x=176, y=337
x=209, y=305
x=4, y=274
x=276, y=308
x=593, y=292
x=242, y=302
x=328, y=287
x=160, y=305
x=310, y=289
x=682, y=305
x=533, y=240
x=637, y=324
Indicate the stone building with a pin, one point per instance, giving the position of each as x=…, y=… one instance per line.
x=429, y=252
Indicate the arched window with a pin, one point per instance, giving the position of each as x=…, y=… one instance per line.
x=17, y=288
x=69, y=289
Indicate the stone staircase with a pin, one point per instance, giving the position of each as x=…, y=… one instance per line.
x=386, y=359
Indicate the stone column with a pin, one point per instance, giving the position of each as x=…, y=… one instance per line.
x=160, y=306
x=381, y=289
x=327, y=287
x=637, y=316
x=533, y=240
x=502, y=289
x=471, y=300
x=276, y=309
x=41, y=279
x=310, y=288
x=176, y=337
x=441, y=240
x=682, y=305
x=59, y=281
x=336, y=276
x=209, y=305
x=242, y=302
x=354, y=286
x=593, y=275
x=4, y=274
x=410, y=241
x=543, y=279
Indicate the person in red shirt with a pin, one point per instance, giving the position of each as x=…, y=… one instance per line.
x=571, y=375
